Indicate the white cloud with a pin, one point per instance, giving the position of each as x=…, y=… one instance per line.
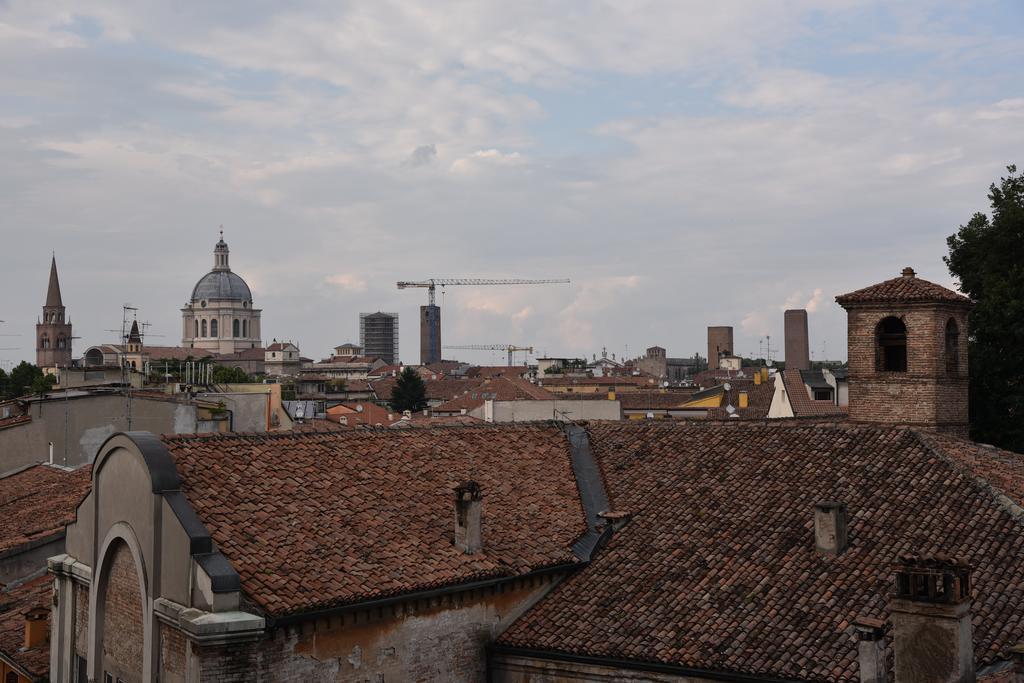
x=347, y=281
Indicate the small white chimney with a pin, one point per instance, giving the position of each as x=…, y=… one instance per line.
x=871, y=650
x=830, y=527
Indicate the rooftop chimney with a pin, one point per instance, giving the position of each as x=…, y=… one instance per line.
x=871, y=650
x=830, y=527
x=931, y=620
x=467, y=517
x=908, y=272
x=37, y=627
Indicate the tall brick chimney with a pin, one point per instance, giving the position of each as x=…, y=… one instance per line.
x=798, y=349
x=931, y=620
x=468, y=502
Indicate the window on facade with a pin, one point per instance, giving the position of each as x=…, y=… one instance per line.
x=44, y=342
x=203, y=329
x=213, y=328
x=197, y=329
x=891, y=345
x=245, y=328
x=822, y=395
x=952, y=347
x=61, y=342
x=235, y=328
x=11, y=677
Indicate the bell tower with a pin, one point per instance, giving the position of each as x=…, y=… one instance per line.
x=907, y=349
x=53, y=332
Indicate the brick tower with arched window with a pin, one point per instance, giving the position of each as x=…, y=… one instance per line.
x=907, y=346
x=53, y=332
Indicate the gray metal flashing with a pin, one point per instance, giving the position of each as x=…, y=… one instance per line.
x=199, y=538
x=223, y=577
x=162, y=472
x=591, y=488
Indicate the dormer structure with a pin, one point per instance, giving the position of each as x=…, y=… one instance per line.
x=907, y=348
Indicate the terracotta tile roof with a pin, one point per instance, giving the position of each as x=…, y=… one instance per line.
x=488, y=371
x=38, y=502
x=718, y=570
x=14, y=602
x=312, y=521
x=803, y=405
x=626, y=382
x=443, y=389
x=710, y=378
x=420, y=420
x=759, y=400
x=498, y=389
x=14, y=420
x=902, y=289
x=362, y=413
x=643, y=400
x=317, y=425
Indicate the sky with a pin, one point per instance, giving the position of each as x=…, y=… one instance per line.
x=685, y=164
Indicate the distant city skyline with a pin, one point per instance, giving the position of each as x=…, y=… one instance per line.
x=685, y=164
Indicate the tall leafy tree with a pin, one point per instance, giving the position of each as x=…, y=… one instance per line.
x=22, y=380
x=409, y=392
x=987, y=256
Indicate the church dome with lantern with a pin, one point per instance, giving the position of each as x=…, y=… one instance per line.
x=219, y=316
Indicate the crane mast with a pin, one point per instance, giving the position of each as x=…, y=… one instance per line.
x=430, y=315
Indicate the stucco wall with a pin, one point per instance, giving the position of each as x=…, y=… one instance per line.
x=77, y=427
x=527, y=411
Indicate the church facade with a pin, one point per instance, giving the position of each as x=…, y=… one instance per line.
x=220, y=317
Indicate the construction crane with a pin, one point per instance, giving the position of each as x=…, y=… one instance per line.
x=430, y=315
x=509, y=348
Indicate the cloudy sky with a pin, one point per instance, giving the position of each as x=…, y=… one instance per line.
x=684, y=163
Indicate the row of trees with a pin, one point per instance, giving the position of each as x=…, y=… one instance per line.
x=24, y=379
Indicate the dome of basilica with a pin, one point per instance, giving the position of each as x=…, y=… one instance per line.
x=220, y=285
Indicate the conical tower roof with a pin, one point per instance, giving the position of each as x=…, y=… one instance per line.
x=134, y=337
x=53, y=299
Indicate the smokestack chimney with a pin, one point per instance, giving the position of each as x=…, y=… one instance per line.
x=830, y=527
x=931, y=620
x=467, y=517
x=37, y=627
x=798, y=353
x=871, y=650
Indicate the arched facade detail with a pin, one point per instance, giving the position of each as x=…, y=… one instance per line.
x=891, y=345
x=119, y=533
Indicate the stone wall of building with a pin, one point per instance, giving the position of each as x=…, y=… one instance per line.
x=122, y=618
x=440, y=639
x=81, y=629
x=929, y=394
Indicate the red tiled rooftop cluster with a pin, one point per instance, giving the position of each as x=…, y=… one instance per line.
x=803, y=405
x=718, y=569
x=39, y=501
x=312, y=521
x=14, y=602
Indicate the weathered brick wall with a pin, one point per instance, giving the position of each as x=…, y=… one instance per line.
x=81, y=621
x=928, y=394
x=173, y=647
x=440, y=639
x=122, y=618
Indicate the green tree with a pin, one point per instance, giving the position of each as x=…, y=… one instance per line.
x=4, y=382
x=22, y=380
x=985, y=255
x=222, y=375
x=409, y=392
x=42, y=384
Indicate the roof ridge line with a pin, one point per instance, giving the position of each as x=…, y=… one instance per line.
x=1014, y=509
